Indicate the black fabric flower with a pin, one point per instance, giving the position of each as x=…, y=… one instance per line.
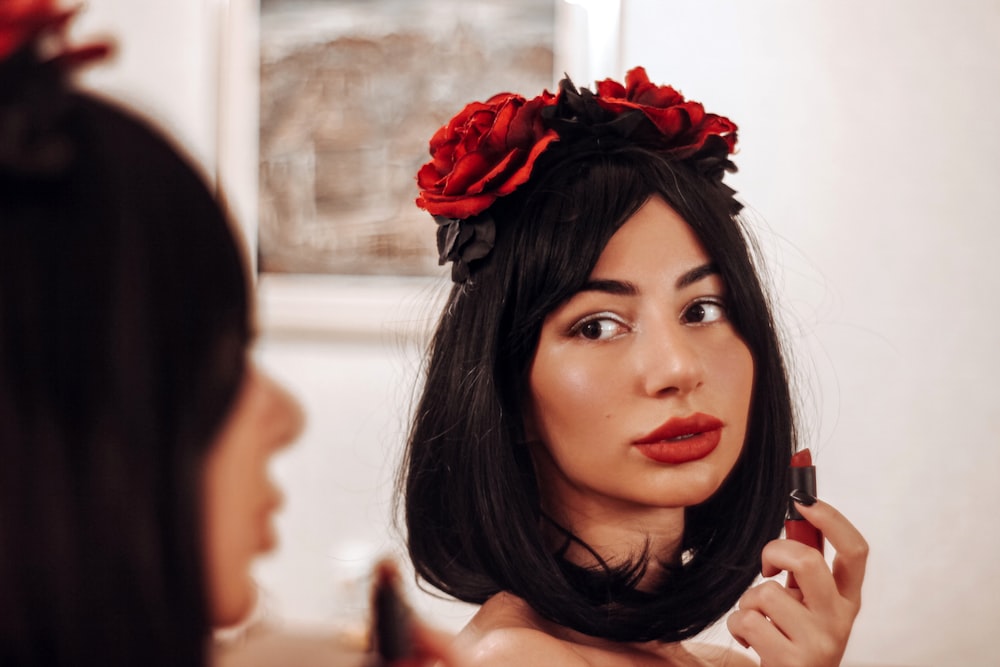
x=462, y=242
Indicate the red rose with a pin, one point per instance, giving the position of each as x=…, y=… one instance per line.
x=484, y=152
x=684, y=125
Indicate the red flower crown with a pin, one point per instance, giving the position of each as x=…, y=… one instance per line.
x=489, y=149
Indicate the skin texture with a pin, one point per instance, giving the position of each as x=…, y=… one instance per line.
x=612, y=367
x=239, y=496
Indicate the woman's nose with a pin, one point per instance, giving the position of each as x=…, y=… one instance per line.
x=669, y=360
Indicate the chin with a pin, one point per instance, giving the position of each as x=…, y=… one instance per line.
x=695, y=491
x=236, y=606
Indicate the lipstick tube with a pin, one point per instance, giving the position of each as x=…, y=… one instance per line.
x=392, y=619
x=801, y=477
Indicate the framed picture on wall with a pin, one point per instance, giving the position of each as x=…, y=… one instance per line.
x=350, y=93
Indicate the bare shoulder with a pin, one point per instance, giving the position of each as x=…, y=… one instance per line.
x=506, y=631
x=503, y=647
x=719, y=656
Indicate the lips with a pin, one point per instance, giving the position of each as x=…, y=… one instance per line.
x=682, y=439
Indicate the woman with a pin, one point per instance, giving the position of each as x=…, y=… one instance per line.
x=135, y=431
x=599, y=453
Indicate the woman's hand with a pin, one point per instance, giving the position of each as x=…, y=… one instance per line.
x=808, y=626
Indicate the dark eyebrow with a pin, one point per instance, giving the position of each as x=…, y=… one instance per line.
x=617, y=287
x=696, y=274
x=625, y=288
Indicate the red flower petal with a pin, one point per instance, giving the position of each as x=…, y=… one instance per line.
x=527, y=125
x=468, y=170
x=635, y=77
x=609, y=89
x=520, y=177
x=672, y=121
x=497, y=136
x=455, y=207
x=429, y=178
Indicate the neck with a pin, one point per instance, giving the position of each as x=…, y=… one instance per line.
x=617, y=532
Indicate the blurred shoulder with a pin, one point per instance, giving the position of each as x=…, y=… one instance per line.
x=281, y=647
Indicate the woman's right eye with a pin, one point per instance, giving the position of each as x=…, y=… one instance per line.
x=598, y=328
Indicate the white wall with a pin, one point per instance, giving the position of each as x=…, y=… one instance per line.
x=164, y=64
x=869, y=148
x=190, y=65
x=868, y=152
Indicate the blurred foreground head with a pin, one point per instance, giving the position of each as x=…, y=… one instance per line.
x=123, y=332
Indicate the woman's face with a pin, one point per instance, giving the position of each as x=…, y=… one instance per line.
x=640, y=386
x=239, y=496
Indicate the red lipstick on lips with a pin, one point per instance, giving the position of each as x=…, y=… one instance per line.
x=801, y=477
x=682, y=439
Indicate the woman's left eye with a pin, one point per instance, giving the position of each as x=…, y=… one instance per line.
x=704, y=312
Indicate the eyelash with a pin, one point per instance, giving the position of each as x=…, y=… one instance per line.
x=708, y=301
x=577, y=329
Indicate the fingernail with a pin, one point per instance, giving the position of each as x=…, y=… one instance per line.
x=803, y=498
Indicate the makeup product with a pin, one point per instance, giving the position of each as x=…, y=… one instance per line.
x=801, y=487
x=391, y=631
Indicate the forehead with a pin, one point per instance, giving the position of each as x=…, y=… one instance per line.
x=654, y=243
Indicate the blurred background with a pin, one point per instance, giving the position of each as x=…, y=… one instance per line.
x=868, y=160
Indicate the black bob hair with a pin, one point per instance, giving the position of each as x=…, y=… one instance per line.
x=124, y=323
x=472, y=511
